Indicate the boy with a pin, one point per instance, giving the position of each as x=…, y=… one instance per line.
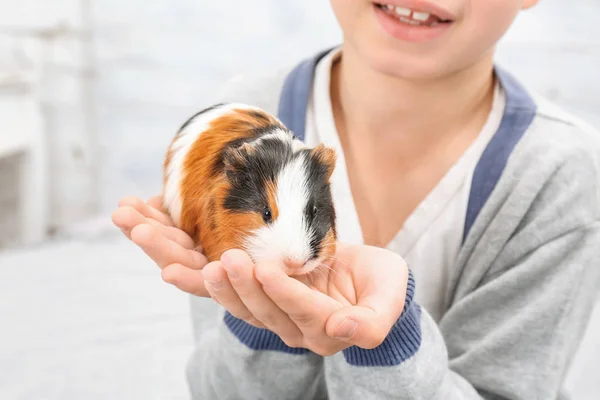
x=445, y=165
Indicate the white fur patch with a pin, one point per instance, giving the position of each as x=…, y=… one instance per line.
x=279, y=134
x=179, y=149
x=282, y=135
x=288, y=236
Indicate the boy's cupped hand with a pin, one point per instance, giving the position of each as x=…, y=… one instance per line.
x=354, y=302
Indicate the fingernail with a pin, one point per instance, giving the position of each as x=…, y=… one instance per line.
x=346, y=329
x=216, y=285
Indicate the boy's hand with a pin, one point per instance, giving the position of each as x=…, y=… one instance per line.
x=355, y=302
x=148, y=226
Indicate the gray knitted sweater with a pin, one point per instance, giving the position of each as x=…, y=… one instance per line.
x=517, y=301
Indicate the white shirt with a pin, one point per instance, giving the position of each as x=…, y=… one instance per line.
x=431, y=236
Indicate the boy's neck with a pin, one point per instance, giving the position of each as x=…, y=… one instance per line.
x=372, y=107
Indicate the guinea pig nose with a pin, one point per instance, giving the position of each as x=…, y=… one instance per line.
x=293, y=263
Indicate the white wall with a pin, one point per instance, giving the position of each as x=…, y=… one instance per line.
x=50, y=41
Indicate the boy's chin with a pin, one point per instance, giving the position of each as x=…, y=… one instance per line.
x=408, y=67
x=416, y=67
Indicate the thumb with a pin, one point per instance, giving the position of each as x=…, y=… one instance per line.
x=359, y=326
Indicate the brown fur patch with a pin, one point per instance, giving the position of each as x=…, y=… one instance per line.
x=230, y=229
x=328, y=246
x=166, y=164
x=258, y=118
x=272, y=199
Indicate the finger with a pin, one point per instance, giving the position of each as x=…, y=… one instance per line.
x=146, y=210
x=240, y=271
x=354, y=325
x=221, y=290
x=127, y=217
x=186, y=279
x=175, y=234
x=157, y=203
x=164, y=251
x=359, y=326
x=308, y=308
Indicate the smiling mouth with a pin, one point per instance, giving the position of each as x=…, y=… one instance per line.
x=412, y=17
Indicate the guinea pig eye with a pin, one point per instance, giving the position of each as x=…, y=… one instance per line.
x=267, y=214
x=312, y=212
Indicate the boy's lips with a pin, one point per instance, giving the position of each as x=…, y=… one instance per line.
x=413, y=20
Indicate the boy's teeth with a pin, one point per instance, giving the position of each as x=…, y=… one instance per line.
x=409, y=21
x=420, y=16
x=405, y=12
x=409, y=16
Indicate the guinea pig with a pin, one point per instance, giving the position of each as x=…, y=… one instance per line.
x=235, y=177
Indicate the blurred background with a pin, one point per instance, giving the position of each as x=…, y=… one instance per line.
x=91, y=92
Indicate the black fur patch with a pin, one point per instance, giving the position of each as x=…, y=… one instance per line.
x=219, y=164
x=319, y=211
x=249, y=177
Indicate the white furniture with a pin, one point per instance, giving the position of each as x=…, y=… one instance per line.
x=23, y=178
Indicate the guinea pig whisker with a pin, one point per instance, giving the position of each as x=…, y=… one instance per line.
x=325, y=269
x=309, y=278
x=319, y=271
x=311, y=275
x=324, y=245
x=327, y=245
x=338, y=260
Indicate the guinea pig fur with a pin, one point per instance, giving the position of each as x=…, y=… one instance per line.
x=235, y=177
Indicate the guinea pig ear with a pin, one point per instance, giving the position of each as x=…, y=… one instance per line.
x=326, y=156
x=237, y=157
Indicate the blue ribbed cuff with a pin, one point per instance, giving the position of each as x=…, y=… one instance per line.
x=402, y=342
x=257, y=338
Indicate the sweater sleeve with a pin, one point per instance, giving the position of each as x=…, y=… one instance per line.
x=512, y=338
x=518, y=312
x=234, y=360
